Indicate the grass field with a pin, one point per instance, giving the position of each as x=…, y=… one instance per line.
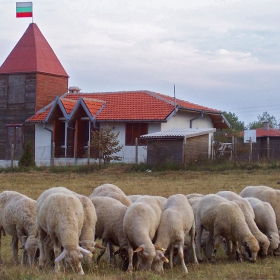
x=165, y=183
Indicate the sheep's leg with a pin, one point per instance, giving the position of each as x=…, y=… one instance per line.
x=102, y=251
x=181, y=256
x=199, y=230
x=57, y=252
x=110, y=251
x=192, y=236
x=171, y=248
x=216, y=246
x=24, y=253
x=14, y=246
x=236, y=249
x=41, y=238
x=209, y=246
x=130, y=258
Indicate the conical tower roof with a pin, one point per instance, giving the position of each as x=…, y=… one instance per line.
x=32, y=54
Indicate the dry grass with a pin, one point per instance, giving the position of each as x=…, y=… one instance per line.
x=161, y=183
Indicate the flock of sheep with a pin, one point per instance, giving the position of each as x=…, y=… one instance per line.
x=62, y=226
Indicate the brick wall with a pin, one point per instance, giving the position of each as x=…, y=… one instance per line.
x=48, y=87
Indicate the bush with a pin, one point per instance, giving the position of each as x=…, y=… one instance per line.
x=26, y=159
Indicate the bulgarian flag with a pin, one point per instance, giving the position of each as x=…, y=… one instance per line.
x=24, y=9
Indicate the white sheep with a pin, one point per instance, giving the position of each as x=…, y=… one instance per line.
x=140, y=224
x=110, y=190
x=134, y=197
x=177, y=220
x=61, y=215
x=266, y=194
x=192, y=195
x=249, y=215
x=266, y=221
x=17, y=218
x=222, y=217
x=109, y=226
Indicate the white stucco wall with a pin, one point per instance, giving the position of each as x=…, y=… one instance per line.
x=180, y=120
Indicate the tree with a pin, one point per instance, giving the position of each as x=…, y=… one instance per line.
x=265, y=117
x=236, y=125
x=26, y=158
x=107, y=143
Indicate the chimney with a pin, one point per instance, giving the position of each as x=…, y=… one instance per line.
x=266, y=125
x=74, y=90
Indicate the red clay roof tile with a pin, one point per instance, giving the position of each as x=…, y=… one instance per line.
x=128, y=105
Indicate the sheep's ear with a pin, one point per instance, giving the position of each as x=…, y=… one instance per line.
x=85, y=252
x=61, y=256
x=99, y=246
x=165, y=259
x=159, y=248
x=139, y=249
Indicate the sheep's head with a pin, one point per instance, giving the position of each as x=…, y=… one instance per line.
x=145, y=256
x=73, y=257
x=158, y=261
x=251, y=247
x=88, y=245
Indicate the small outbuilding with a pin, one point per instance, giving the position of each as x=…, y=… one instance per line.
x=179, y=146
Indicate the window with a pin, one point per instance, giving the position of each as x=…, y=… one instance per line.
x=135, y=130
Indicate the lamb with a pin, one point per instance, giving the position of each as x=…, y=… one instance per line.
x=177, y=220
x=140, y=224
x=249, y=214
x=109, y=227
x=266, y=221
x=266, y=194
x=110, y=190
x=17, y=218
x=62, y=216
x=222, y=217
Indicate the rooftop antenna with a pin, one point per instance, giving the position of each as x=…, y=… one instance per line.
x=174, y=98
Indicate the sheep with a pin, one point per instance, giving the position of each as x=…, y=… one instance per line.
x=192, y=195
x=17, y=218
x=266, y=194
x=249, y=215
x=194, y=201
x=160, y=199
x=110, y=190
x=177, y=220
x=222, y=217
x=134, y=197
x=62, y=216
x=140, y=224
x=265, y=219
x=109, y=227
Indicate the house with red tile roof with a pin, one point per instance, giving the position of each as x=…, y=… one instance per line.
x=58, y=120
x=267, y=145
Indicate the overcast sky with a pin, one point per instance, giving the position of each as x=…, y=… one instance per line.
x=223, y=54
